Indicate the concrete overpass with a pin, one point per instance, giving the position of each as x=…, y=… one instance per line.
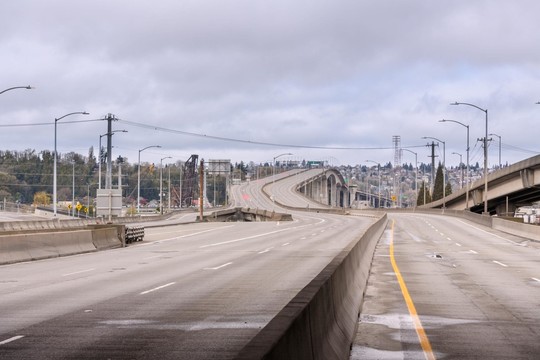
x=508, y=188
x=329, y=187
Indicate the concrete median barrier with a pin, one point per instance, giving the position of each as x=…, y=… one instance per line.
x=320, y=322
x=27, y=245
x=107, y=236
x=42, y=245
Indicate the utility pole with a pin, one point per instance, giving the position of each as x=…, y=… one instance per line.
x=433, y=156
x=108, y=178
x=201, y=189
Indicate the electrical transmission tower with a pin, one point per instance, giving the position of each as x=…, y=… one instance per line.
x=189, y=186
x=396, y=140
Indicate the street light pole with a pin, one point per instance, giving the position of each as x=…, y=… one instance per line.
x=416, y=175
x=73, y=192
x=468, y=148
x=56, y=155
x=379, y=173
x=169, y=190
x=485, y=155
x=16, y=87
x=139, y=176
x=99, y=164
x=274, y=174
x=460, y=166
x=500, y=143
x=161, y=184
x=443, y=170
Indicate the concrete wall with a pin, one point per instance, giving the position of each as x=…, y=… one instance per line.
x=18, y=246
x=529, y=231
x=320, y=322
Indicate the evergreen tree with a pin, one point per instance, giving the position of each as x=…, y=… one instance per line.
x=423, y=193
x=448, y=189
x=438, y=188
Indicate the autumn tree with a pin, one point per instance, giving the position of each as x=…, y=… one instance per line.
x=42, y=198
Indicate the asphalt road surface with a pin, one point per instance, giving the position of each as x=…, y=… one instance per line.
x=476, y=292
x=196, y=291
x=440, y=287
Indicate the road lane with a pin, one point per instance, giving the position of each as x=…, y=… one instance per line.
x=194, y=291
x=471, y=306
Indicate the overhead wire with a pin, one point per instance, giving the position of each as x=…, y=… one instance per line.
x=50, y=123
x=222, y=138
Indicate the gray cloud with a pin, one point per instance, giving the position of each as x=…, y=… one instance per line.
x=319, y=73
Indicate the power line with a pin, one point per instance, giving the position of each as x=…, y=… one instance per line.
x=221, y=138
x=49, y=123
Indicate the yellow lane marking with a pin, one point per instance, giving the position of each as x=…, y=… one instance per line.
x=424, y=341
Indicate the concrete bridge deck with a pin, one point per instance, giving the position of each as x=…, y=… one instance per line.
x=508, y=188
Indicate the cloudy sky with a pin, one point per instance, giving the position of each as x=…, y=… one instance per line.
x=327, y=80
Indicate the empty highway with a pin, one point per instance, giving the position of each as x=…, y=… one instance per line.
x=440, y=288
x=195, y=291
x=476, y=292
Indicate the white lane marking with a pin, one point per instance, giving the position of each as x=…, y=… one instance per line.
x=265, y=250
x=78, y=272
x=185, y=236
x=286, y=244
x=473, y=252
x=449, y=239
x=157, y=288
x=11, y=339
x=254, y=236
x=535, y=279
x=458, y=244
x=492, y=234
x=500, y=263
x=218, y=267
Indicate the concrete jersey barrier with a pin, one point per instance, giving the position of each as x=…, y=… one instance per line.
x=19, y=246
x=320, y=321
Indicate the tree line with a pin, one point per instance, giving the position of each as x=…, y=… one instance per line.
x=26, y=177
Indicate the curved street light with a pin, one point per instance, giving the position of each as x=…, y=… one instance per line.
x=500, y=143
x=444, y=170
x=460, y=166
x=485, y=154
x=468, y=149
x=17, y=87
x=379, y=173
x=274, y=174
x=416, y=175
x=56, y=154
x=99, y=164
x=161, y=183
x=139, y=175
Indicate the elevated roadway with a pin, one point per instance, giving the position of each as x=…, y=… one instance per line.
x=475, y=293
x=440, y=287
x=189, y=291
x=508, y=188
